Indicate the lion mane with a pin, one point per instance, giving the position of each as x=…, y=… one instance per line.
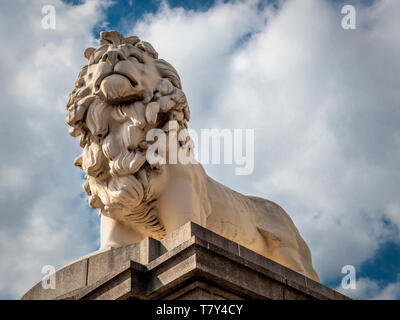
x=112, y=135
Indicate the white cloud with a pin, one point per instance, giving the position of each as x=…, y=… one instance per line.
x=369, y=289
x=393, y=214
x=44, y=220
x=390, y=292
x=323, y=102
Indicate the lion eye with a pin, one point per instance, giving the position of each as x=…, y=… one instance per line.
x=136, y=58
x=96, y=56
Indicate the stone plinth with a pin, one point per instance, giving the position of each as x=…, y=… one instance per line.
x=190, y=263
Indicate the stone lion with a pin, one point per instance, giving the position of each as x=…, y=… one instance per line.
x=123, y=93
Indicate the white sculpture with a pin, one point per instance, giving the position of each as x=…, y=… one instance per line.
x=124, y=92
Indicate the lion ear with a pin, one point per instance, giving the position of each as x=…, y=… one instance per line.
x=132, y=40
x=88, y=52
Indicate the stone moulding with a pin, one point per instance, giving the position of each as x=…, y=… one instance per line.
x=190, y=263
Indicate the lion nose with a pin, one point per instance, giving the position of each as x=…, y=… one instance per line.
x=113, y=57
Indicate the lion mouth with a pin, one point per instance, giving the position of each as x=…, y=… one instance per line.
x=117, y=87
x=100, y=79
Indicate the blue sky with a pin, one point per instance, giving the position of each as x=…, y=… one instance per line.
x=123, y=12
x=322, y=100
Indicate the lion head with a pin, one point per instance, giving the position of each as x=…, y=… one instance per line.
x=123, y=92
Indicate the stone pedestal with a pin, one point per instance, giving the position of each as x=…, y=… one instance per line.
x=190, y=263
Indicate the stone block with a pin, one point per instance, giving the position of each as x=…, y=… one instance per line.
x=190, y=263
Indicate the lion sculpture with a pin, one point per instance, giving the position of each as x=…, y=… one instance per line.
x=123, y=93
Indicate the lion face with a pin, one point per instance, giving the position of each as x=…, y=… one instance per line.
x=122, y=71
x=122, y=74
x=123, y=92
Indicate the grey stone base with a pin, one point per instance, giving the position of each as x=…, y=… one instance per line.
x=190, y=263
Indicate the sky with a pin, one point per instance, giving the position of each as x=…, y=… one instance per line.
x=323, y=102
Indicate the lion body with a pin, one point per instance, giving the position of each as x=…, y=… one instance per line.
x=187, y=193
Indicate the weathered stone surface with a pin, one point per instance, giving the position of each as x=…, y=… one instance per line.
x=68, y=279
x=190, y=263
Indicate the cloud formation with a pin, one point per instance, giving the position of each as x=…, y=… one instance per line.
x=44, y=219
x=369, y=289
